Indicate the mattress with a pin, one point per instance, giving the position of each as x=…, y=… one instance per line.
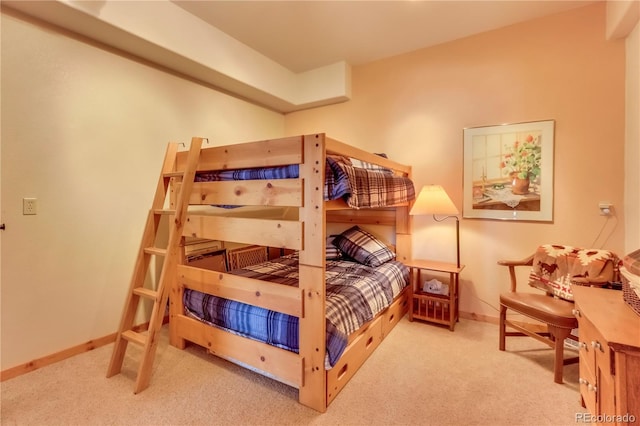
x=367, y=186
x=356, y=293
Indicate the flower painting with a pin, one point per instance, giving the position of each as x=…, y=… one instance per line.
x=508, y=171
x=522, y=158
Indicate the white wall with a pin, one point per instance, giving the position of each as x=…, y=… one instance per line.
x=84, y=131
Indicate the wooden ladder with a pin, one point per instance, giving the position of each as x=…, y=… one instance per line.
x=127, y=332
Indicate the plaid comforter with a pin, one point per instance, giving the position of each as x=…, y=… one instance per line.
x=359, y=187
x=366, y=188
x=355, y=294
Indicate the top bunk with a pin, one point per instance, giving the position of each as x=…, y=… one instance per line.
x=272, y=174
x=273, y=193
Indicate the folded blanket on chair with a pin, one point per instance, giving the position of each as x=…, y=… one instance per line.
x=557, y=267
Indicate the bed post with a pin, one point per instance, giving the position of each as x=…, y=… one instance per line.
x=403, y=235
x=176, y=305
x=312, y=330
x=404, y=226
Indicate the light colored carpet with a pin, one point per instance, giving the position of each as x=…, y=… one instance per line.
x=420, y=375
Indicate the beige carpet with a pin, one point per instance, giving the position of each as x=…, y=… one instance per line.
x=420, y=375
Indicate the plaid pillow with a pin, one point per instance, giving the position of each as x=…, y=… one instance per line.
x=332, y=253
x=363, y=247
x=370, y=166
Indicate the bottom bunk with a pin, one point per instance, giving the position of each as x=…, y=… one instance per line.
x=363, y=305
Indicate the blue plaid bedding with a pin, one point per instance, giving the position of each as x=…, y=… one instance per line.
x=355, y=295
x=359, y=187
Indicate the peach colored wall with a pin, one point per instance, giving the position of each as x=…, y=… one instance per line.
x=632, y=148
x=414, y=107
x=84, y=131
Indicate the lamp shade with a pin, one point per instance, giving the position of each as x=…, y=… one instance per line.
x=433, y=199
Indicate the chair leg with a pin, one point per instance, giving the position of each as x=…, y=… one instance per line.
x=559, y=335
x=503, y=318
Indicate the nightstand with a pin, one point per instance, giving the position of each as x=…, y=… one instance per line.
x=432, y=307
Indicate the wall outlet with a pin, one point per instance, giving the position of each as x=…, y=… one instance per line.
x=605, y=208
x=29, y=206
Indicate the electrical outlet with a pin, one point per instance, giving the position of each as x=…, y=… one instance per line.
x=29, y=206
x=605, y=208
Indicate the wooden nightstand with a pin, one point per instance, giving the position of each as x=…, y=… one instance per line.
x=437, y=308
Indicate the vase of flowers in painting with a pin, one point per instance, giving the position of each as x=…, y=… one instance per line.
x=520, y=186
x=521, y=162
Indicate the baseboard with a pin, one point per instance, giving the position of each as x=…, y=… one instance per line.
x=479, y=317
x=537, y=327
x=90, y=345
x=33, y=365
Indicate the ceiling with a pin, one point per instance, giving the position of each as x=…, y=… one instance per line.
x=283, y=55
x=303, y=35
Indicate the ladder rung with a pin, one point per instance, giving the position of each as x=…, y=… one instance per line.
x=145, y=292
x=155, y=250
x=173, y=174
x=135, y=337
x=164, y=211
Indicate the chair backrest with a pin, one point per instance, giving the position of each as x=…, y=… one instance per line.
x=557, y=267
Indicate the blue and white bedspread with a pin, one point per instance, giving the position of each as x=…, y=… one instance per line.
x=360, y=187
x=355, y=295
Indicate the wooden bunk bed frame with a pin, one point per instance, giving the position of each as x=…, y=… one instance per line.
x=306, y=370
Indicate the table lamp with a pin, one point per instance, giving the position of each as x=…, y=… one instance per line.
x=433, y=200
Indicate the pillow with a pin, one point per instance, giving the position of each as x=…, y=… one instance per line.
x=363, y=247
x=370, y=166
x=332, y=253
x=341, y=159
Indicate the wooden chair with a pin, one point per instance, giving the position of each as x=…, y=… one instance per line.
x=556, y=313
x=554, y=269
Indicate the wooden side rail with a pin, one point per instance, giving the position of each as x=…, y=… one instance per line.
x=265, y=232
x=266, y=153
x=264, y=193
x=275, y=297
x=281, y=364
x=340, y=148
x=271, y=192
x=382, y=216
x=278, y=152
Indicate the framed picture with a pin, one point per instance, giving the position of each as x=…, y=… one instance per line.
x=508, y=171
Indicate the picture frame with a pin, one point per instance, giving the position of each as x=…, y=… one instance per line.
x=508, y=171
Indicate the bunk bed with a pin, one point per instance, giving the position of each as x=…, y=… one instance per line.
x=290, y=207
